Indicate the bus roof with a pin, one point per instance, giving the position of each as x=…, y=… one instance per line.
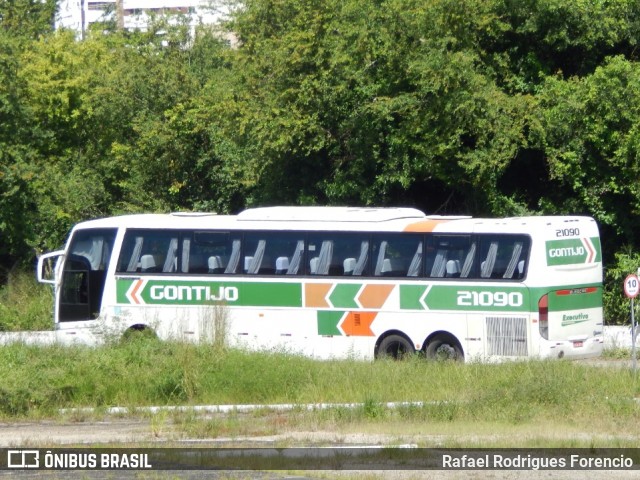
x=334, y=218
x=328, y=214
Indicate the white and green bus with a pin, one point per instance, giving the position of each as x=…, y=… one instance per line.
x=335, y=282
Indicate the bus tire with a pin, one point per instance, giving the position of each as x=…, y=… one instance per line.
x=139, y=333
x=396, y=347
x=444, y=347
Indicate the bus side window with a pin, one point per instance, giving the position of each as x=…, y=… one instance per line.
x=486, y=268
x=503, y=256
x=516, y=252
x=449, y=256
x=254, y=255
x=361, y=263
x=513, y=261
x=338, y=254
x=149, y=251
x=469, y=261
x=320, y=260
x=273, y=253
x=397, y=255
x=287, y=249
x=193, y=259
x=520, y=269
x=296, y=259
x=171, y=260
x=209, y=253
x=234, y=257
x=415, y=267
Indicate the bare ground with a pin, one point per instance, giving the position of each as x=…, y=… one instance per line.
x=123, y=432
x=150, y=432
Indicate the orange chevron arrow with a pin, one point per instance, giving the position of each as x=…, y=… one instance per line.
x=133, y=292
x=315, y=294
x=374, y=295
x=358, y=324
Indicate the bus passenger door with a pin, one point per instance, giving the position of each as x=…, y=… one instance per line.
x=83, y=275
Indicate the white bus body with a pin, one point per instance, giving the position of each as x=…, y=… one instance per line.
x=334, y=282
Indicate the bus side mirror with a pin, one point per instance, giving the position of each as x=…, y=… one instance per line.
x=47, y=269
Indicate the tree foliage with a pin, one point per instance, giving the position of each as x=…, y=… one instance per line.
x=478, y=107
x=27, y=19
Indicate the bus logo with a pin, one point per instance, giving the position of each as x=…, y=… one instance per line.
x=199, y=293
x=574, y=251
x=141, y=292
x=23, y=459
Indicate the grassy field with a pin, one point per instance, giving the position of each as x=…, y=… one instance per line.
x=25, y=304
x=531, y=396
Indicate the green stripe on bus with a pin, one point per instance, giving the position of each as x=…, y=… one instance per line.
x=343, y=295
x=575, y=299
x=271, y=294
x=596, y=243
x=459, y=297
x=464, y=298
x=474, y=298
x=188, y=292
x=328, y=321
x=410, y=297
x=122, y=286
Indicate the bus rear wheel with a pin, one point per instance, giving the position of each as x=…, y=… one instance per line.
x=396, y=347
x=443, y=348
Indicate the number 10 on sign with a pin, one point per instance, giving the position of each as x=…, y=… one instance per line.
x=631, y=290
x=631, y=286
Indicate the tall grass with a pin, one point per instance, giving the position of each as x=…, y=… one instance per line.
x=25, y=304
x=37, y=381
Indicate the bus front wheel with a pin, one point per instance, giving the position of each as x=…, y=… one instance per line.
x=396, y=347
x=139, y=333
x=444, y=347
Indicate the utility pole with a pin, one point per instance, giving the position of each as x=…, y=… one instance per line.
x=120, y=14
x=83, y=20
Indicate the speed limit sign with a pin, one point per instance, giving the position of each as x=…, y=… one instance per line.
x=631, y=286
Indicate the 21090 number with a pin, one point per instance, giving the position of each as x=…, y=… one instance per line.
x=489, y=299
x=568, y=232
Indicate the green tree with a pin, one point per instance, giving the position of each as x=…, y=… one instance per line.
x=592, y=127
x=175, y=153
x=22, y=23
x=27, y=19
x=373, y=103
x=538, y=38
x=65, y=180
